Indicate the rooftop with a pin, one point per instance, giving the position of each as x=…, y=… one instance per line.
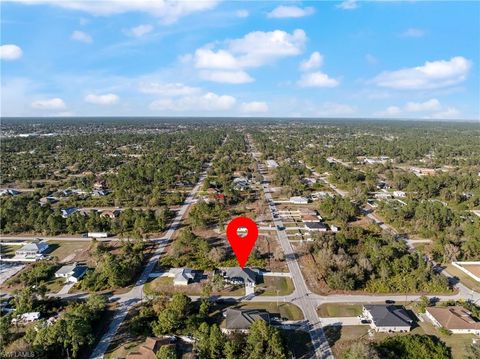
x=454, y=317
x=388, y=315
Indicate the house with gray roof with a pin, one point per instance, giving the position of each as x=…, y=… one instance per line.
x=387, y=318
x=239, y=276
x=72, y=273
x=31, y=252
x=240, y=320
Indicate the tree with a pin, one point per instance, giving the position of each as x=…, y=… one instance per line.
x=166, y=352
x=216, y=342
x=264, y=341
x=361, y=350
x=24, y=300
x=412, y=347
x=422, y=304
x=203, y=337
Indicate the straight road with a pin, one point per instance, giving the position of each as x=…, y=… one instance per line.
x=302, y=293
x=135, y=295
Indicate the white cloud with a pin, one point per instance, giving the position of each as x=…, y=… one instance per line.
x=10, y=52
x=81, y=36
x=229, y=77
x=431, y=75
x=317, y=79
x=107, y=99
x=242, y=13
x=49, y=104
x=348, y=5
x=140, y=30
x=283, y=11
x=430, y=105
x=313, y=62
x=255, y=49
x=221, y=59
x=168, y=89
x=447, y=113
x=206, y=102
x=254, y=107
x=428, y=109
x=393, y=110
x=168, y=11
x=413, y=32
x=258, y=48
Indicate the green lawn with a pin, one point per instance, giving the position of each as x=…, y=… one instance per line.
x=8, y=251
x=286, y=310
x=339, y=310
x=457, y=342
x=55, y=284
x=275, y=286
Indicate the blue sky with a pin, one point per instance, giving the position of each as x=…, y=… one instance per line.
x=388, y=59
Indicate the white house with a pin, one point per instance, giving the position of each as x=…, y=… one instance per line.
x=31, y=252
x=26, y=317
x=272, y=164
x=399, y=194
x=72, y=273
x=315, y=226
x=387, y=318
x=456, y=319
x=298, y=200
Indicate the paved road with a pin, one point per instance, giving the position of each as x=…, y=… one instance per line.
x=302, y=293
x=463, y=291
x=135, y=295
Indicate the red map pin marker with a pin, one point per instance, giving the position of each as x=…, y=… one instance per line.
x=242, y=246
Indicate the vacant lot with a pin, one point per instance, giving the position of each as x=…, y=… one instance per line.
x=275, y=286
x=339, y=310
x=69, y=251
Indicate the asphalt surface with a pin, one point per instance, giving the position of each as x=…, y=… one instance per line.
x=135, y=295
x=300, y=297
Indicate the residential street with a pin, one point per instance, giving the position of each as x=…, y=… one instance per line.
x=135, y=295
x=301, y=293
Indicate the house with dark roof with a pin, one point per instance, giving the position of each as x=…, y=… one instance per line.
x=239, y=276
x=456, y=319
x=67, y=212
x=240, y=320
x=387, y=318
x=315, y=226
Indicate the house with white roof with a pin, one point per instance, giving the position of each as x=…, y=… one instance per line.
x=72, y=272
x=298, y=200
x=31, y=252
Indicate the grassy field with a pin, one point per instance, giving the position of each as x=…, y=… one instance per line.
x=67, y=250
x=275, y=286
x=286, y=310
x=55, y=284
x=340, y=338
x=339, y=310
x=8, y=251
x=457, y=342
